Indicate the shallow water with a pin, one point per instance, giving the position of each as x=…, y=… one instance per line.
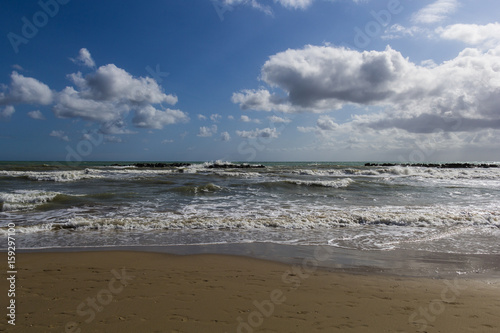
x=342, y=205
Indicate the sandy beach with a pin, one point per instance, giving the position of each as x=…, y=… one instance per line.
x=120, y=291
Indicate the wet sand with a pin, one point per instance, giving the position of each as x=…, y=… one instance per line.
x=124, y=291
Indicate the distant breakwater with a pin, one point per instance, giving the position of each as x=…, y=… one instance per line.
x=208, y=166
x=436, y=165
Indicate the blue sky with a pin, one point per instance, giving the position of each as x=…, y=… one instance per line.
x=250, y=80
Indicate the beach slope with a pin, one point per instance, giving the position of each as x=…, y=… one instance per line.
x=120, y=291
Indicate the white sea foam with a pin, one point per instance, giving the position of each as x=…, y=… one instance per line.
x=344, y=182
x=56, y=176
x=204, y=214
x=24, y=199
x=89, y=173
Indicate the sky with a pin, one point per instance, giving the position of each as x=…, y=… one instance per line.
x=409, y=81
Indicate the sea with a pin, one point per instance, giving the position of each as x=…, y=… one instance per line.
x=368, y=209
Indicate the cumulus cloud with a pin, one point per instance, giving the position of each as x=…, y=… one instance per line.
x=7, y=112
x=397, y=31
x=263, y=133
x=306, y=129
x=36, y=115
x=202, y=117
x=224, y=136
x=207, y=131
x=105, y=96
x=326, y=123
x=261, y=99
x=295, y=4
x=430, y=123
x=487, y=35
x=60, y=135
x=435, y=12
x=84, y=58
x=110, y=83
x=255, y=4
x=323, y=124
x=225, y=5
x=110, y=93
x=247, y=119
x=325, y=78
x=150, y=117
x=215, y=117
x=277, y=120
x=25, y=90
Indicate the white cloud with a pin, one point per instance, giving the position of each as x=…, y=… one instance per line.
x=263, y=133
x=7, y=112
x=60, y=135
x=207, y=131
x=324, y=78
x=230, y=117
x=429, y=63
x=323, y=124
x=326, y=123
x=36, y=115
x=25, y=90
x=487, y=36
x=413, y=98
x=167, y=141
x=110, y=93
x=295, y=4
x=230, y=4
x=290, y=4
x=277, y=120
x=84, y=58
x=71, y=104
x=397, y=31
x=306, y=129
x=215, y=117
x=261, y=100
x=110, y=83
x=247, y=119
x=201, y=117
x=150, y=117
x=435, y=12
x=224, y=136
x=104, y=96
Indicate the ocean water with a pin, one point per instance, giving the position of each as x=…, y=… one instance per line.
x=342, y=205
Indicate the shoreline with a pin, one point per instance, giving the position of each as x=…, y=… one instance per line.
x=400, y=263
x=133, y=291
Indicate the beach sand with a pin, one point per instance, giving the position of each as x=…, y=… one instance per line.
x=120, y=291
